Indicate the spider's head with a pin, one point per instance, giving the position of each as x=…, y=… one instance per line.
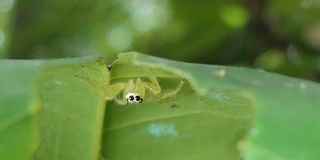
x=133, y=98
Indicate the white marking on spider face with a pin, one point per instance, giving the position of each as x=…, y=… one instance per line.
x=134, y=98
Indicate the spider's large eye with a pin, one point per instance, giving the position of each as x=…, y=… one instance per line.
x=139, y=99
x=131, y=98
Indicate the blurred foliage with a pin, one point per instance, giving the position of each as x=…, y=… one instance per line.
x=278, y=36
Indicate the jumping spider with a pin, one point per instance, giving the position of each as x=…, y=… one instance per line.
x=133, y=90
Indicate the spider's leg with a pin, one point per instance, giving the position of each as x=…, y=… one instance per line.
x=172, y=93
x=100, y=88
x=140, y=87
x=85, y=82
x=154, y=85
x=111, y=91
x=120, y=101
x=105, y=70
x=106, y=78
x=94, y=81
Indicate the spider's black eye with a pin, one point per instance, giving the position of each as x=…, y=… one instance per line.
x=131, y=98
x=138, y=98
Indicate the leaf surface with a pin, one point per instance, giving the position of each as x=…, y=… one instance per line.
x=287, y=119
x=18, y=109
x=71, y=118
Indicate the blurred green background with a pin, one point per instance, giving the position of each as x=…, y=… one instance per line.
x=274, y=35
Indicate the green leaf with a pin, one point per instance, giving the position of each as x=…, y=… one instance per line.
x=71, y=118
x=208, y=119
x=18, y=109
x=286, y=125
x=69, y=123
x=191, y=126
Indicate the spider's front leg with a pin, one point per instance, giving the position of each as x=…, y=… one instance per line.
x=154, y=86
x=92, y=84
x=112, y=91
x=156, y=89
x=172, y=93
